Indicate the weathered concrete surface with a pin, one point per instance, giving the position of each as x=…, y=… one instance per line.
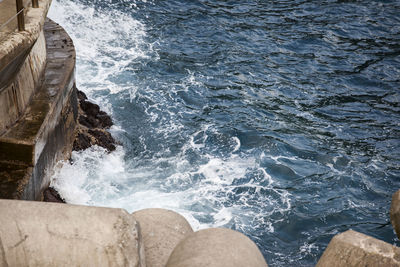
x=8, y=9
x=53, y=234
x=45, y=133
x=216, y=247
x=161, y=231
x=17, y=43
x=22, y=60
x=395, y=212
x=20, y=79
x=355, y=249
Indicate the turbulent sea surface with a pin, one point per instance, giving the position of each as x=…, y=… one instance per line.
x=279, y=119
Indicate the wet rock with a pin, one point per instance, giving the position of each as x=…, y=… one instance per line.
x=81, y=142
x=104, y=120
x=51, y=195
x=103, y=139
x=92, y=125
x=88, y=121
x=81, y=95
x=90, y=108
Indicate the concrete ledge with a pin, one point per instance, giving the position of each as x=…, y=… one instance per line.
x=216, y=247
x=355, y=249
x=45, y=132
x=161, y=230
x=52, y=234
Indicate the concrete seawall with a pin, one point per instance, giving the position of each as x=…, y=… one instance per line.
x=38, y=104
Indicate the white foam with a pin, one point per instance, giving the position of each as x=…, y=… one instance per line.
x=106, y=42
x=92, y=171
x=99, y=178
x=223, y=172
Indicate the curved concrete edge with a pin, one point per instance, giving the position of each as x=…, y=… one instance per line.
x=161, y=230
x=216, y=247
x=18, y=43
x=44, y=134
x=355, y=249
x=395, y=213
x=53, y=234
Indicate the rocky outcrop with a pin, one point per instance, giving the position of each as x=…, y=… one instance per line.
x=91, y=130
x=161, y=231
x=216, y=247
x=355, y=249
x=92, y=126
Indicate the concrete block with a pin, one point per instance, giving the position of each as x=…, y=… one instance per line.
x=53, y=234
x=216, y=247
x=161, y=230
x=355, y=249
x=395, y=212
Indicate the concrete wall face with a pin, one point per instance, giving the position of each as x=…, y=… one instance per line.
x=52, y=234
x=15, y=96
x=56, y=142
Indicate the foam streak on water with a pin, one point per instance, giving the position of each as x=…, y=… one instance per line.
x=279, y=119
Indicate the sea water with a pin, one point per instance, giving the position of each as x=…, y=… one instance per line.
x=279, y=119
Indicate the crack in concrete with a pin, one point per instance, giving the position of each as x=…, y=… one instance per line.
x=3, y=254
x=23, y=247
x=20, y=242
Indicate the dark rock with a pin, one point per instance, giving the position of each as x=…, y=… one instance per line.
x=88, y=121
x=105, y=120
x=103, y=139
x=89, y=108
x=81, y=142
x=81, y=95
x=96, y=121
x=51, y=195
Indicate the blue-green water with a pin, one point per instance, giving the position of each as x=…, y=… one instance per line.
x=279, y=119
